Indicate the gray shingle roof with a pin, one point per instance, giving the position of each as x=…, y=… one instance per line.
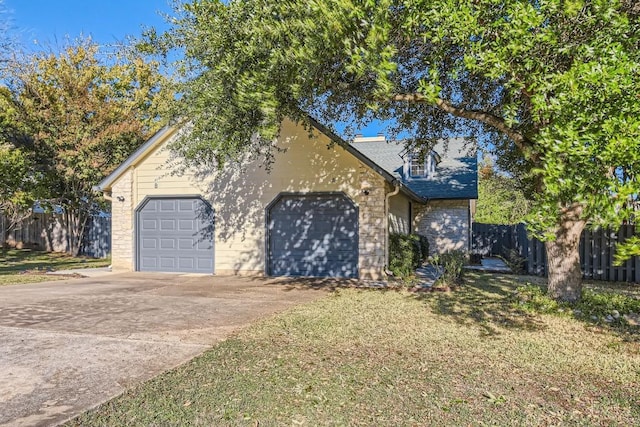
x=456, y=176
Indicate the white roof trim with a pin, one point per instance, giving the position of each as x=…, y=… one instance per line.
x=155, y=140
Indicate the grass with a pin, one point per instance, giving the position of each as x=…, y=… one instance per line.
x=371, y=357
x=29, y=266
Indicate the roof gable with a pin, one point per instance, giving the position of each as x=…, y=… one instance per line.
x=456, y=177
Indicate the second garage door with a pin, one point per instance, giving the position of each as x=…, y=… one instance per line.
x=175, y=235
x=313, y=235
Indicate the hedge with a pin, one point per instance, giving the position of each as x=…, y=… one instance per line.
x=406, y=253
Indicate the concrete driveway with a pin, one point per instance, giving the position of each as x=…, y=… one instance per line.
x=67, y=346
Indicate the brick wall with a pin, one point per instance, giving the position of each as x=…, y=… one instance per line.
x=371, y=218
x=445, y=223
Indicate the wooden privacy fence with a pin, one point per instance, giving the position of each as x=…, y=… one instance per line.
x=597, y=250
x=45, y=231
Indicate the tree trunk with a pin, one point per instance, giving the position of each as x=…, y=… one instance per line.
x=563, y=257
x=76, y=220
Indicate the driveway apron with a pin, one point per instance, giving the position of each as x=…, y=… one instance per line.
x=67, y=346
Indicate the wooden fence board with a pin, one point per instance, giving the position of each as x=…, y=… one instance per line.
x=45, y=231
x=597, y=250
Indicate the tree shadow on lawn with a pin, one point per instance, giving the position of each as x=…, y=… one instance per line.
x=21, y=260
x=484, y=300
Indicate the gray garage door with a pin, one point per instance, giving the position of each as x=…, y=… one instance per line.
x=313, y=235
x=175, y=235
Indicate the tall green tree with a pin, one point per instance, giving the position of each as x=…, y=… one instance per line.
x=553, y=83
x=78, y=115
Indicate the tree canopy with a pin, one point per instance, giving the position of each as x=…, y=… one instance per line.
x=554, y=85
x=76, y=117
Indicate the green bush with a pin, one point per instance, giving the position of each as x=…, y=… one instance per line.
x=451, y=264
x=406, y=253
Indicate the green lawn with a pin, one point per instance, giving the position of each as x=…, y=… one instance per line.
x=395, y=358
x=28, y=266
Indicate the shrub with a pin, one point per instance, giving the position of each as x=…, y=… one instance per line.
x=406, y=253
x=515, y=262
x=451, y=265
x=533, y=298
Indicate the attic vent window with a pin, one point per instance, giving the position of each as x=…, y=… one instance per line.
x=421, y=166
x=418, y=167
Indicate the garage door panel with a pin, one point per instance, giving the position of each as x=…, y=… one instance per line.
x=205, y=263
x=167, y=244
x=149, y=224
x=151, y=206
x=185, y=224
x=168, y=262
x=175, y=235
x=313, y=235
x=204, y=244
x=187, y=263
x=186, y=205
x=149, y=243
x=185, y=244
x=167, y=224
x=147, y=262
x=167, y=206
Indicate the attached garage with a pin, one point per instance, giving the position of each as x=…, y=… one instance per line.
x=313, y=235
x=174, y=234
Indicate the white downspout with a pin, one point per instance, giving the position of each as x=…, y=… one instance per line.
x=386, y=228
x=107, y=197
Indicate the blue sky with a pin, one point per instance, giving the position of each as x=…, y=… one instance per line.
x=44, y=24
x=50, y=22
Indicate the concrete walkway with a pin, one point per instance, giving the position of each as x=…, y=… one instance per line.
x=69, y=345
x=491, y=265
x=428, y=274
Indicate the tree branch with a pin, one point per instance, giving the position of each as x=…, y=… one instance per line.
x=482, y=116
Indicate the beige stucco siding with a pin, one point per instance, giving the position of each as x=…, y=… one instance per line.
x=445, y=223
x=155, y=176
x=240, y=194
x=399, y=214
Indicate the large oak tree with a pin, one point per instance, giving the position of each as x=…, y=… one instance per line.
x=553, y=85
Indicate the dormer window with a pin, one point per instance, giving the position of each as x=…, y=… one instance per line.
x=422, y=166
x=418, y=167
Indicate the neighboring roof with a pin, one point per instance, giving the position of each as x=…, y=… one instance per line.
x=456, y=175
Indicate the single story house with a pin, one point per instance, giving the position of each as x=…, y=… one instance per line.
x=325, y=208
